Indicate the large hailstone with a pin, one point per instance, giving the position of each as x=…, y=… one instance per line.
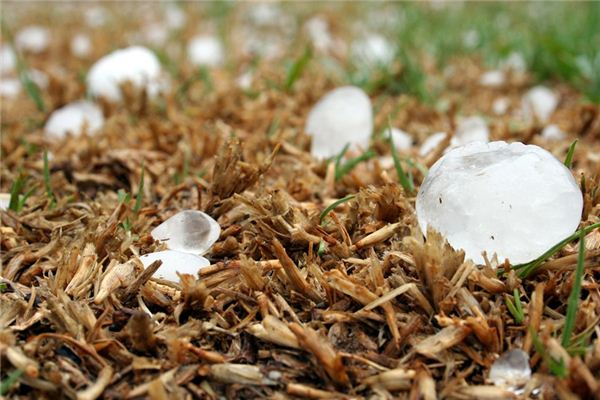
x=188, y=231
x=73, y=119
x=134, y=64
x=174, y=262
x=342, y=116
x=205, y=50
x=514, y=200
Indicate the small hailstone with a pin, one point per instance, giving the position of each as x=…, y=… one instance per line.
x=318, y=32
x=155, y=33
x=514, y=200
x=244, y=81
x=95, y=16
x=553, y=132
x=516, y=62
x=471, y=38
x=500, y=106
x=135, y=64
x=471, y=129
x=511, y=370
x=174, y=16
x=34, y=39
x=173, y=262
x=494, y=78
x=74, y=118
x=342, y=116
x=10, y=88
x=431, y=143
x=81, y=45
x=540, y=102
x=205, y=50
x=39, y=78
x=189, y=231
x=373, y=50
x=4, y=201
x=402, y=140
x=8, y=60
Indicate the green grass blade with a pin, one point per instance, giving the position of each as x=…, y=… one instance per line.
x=334, y=205
x=140, y=194
x=15, y=192
x=518, y=305
x=405, y=181
x=344, y=169
x=512, y=309
x=570, y=152
x=10, y=380
x=573, y=302
x=297, y=68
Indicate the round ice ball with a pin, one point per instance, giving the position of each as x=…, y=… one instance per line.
x=343, y=116
x=74, y=118
x=514, y=200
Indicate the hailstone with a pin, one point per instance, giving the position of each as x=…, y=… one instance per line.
x=74, y=118
x=188, y=231
x=34, y=39
x=174, y=262
x=514, y=200
x=205, y=50
x=343, y=116
x=540, y=102
x=402, y=140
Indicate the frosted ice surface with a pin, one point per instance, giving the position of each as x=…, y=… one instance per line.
x=189, y=231
x=540, y=102
x=135, y=64
x=74, y=118
x=402, y=140
x=511, y=369
x=205, y=50
x=173, y=262
x=34, y=39
x=513, y=199
x=342, y=116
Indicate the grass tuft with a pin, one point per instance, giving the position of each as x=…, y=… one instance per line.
x=334, y=205
x=140, y=194
x=573, y=301
x=516, y=308
x=342, y=170
x=10, y=380
x=570, y=153
x=297, y=68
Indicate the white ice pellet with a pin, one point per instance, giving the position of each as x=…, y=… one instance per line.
x=511, y=370
x=402, y=140
x=74, y=119
x=155, y=33
x=10, y=88
x=244, y=81
x=81, y=45
x=317, y=29
x=553, y=132
x=4, y=201
x=205, y=50
x=95, y=16
x=8, y=60
x=539, y=102
x=174, y=262
x=514, y=200
x=500, y=105
x=188, y=231
x=495, y=78
x=431, y=143
x=174, y=16
x=135, y=64
x=343, y=116
x=373, y=50
x=516, y=62
x=470, y=129
x=34, y=39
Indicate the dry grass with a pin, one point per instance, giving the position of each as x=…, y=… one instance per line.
x=377, y=313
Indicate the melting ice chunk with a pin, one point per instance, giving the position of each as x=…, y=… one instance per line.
x=74, y=118
x=173, y=262
x=135, y=64
x=188, y=231
x=514, y=200
x=511, y=370
x=342, y=116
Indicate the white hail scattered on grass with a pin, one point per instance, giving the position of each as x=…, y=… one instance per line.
x=514, y=200
x=342, y=116
x=539, y=103
x=553, y=133
x=511, y=370
x=81, y=45
x=74, y=119
x=135, y=64
x=500, y=105
x=174, y=262
x=33, y=39
x=189, y=231
x=431, y=143
x=205, y=50
x=8, y=60
x=494, y=78
x=373, y=50
x=470, y=129
x=402, y=140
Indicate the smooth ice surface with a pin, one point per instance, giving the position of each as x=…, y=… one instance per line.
x=173, y=262
x=431, y=143
x=33, y=38
x=539, y=102
x=74, y=118
x=511, y=369
x=135, y=64
x=189, y=231
x=470, y=129
x=402, y=140
x=513, y=199
x=205, y=50
x=553, y=132
x=342, y=116
x=373, y=49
